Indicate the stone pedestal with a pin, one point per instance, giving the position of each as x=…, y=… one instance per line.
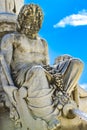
x=9, y=10
x=11, y=6
x=7, y=23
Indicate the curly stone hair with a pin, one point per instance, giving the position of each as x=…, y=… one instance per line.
x=26, y=13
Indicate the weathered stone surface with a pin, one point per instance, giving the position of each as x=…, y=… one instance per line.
x=7, y=23
x=66, y=124
x=11, y=6
x=39, y=96
x=8, y=11
x=8, y=14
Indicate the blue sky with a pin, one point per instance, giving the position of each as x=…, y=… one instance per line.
x=65, y=29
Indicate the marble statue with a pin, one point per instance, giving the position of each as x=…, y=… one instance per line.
x=35, y=92
x=11, y=6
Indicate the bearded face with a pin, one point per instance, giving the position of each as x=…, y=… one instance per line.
x=30, y=19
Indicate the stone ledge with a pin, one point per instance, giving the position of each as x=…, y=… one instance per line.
x=7, y=23
x=8, y=17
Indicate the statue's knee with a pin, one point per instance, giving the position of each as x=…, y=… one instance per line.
x=38, y=69
x=23, y=92
x=77, y=64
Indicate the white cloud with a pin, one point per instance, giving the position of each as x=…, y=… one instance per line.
x=73, y=20
x=83, y=86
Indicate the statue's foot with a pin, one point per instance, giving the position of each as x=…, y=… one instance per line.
x=53, y=124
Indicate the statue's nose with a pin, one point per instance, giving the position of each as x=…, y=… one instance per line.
x=34, y=19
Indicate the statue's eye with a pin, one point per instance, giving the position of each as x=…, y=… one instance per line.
x=28, y=13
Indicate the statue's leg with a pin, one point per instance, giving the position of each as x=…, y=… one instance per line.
x=72, y=74
x=40, y=96
x=71, y=77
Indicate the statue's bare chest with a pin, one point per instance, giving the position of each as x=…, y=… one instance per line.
x=29, y=46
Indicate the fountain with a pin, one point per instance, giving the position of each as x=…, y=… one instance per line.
x=81, y=114
x=33, y=94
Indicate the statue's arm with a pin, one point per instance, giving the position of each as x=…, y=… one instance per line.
x=7, y=48
x=6, y=57
x=45, y=51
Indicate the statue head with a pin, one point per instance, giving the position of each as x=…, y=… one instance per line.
x=30, y=20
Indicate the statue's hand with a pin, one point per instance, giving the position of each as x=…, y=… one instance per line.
x=10, y=93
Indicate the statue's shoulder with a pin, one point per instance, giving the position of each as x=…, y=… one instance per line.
x=7, y=36
x=13, y=35
x=44, y=42
x=6, y=41
x=10, y=38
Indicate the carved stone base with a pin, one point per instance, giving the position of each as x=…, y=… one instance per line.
x=66, y=124
x=5, y=122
